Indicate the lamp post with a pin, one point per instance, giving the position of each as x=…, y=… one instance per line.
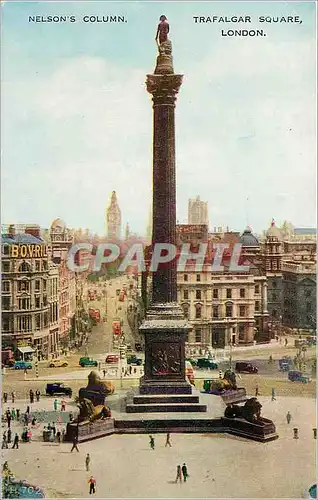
x=229, y=336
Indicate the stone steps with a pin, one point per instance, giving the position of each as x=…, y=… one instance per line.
x=165, y=407
x=167, y=399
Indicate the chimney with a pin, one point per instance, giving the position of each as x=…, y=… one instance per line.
x=11, y=230
x=33, y=229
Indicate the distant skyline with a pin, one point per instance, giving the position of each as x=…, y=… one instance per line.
x=77, y=120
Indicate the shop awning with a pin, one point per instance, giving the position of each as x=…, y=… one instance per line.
x=25, y=350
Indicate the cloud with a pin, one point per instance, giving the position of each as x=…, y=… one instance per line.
x=245, y=127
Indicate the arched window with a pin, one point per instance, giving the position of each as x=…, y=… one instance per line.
x=198, y=311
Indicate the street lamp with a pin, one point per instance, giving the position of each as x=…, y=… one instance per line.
x=229, y=336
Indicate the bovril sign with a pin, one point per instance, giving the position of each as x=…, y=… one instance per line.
x=28, y=251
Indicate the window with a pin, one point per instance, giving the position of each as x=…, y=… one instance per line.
x=45, y=319
x=24, y=323
x=186, y=294
x=5, y=249
x=242, y=311
x=24, y=286
x=24, y=303
x=215, y=293
x=242, y=293
x=185, y=277
x=44, y=285
x=37, y=265
x=5, y=266
x=257, y=289
x=198, y=294
x=215, y=312
x=256, y=305
x=308, y=292
x=198, y=311
x=25, y=268
x=198, y=277
x=241, y=332
x=274, y=284
x=228, y=293
x=37, y=302
x=6, y=324
x=274, y=297
x=38, y=321
x=6, y=286
x=6, y=303
x=198, y=335
x=45, y=266
x=229, y=311
x=44, y=300
x=37, y=285
x=274, y=314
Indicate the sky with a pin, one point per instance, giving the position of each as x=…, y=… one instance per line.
x=77, y=119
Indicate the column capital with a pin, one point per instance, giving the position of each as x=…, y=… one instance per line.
x=164, y=87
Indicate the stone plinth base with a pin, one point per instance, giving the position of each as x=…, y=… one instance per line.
x=89, y=430
x=264, y=430
x=156, y=387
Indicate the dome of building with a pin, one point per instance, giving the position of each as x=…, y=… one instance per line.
x=58, y=224
x=273, y=231
x=248, y=239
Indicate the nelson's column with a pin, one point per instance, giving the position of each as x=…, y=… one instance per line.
x=165, y=328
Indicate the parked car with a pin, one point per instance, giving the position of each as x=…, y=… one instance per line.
x=312, y=491
x=296, y=376
x=112, y=358
x=22, y=365
x=133, y=360
x=244, y=367
x=57, y=388
x=57, y=363
x=206, y=363
x=85, y=361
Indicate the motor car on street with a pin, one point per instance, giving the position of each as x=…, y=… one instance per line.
x=85, y=361
x=206, y=363
x=22, y=365
x=133, y=360
x=296, y=376
x=112, y=358
x=57, y=388
x=57, y=363
x=243, y=367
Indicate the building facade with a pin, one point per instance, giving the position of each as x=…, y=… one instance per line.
x=198, y=211
x=25, y=290
x=113, y=218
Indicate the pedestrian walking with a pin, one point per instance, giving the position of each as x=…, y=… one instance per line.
x=185, y=472
x=55, y=404
x=295, y=433
x=51, y=435
x=179, y=474
x=63, y=435
x=13, y=414
x=63, y=405
x=8, y=414
x=315, y=432
x=152, y=442
x=18, y=414
x=54, y=429
x=288, y=417
x=273, y=394
x=16, y=441
x=12, y=396
x=71, y=416
x=286, y=342
x=25, y=419
x=256, y=391
x=92, y=485
x=104, y=373
x=28, y=410
x=37, y=395
x=9, y=436
x=5, y=397
x=168, y=443
x=4, y=441
x=270, y=359
x=87, y=461
x=58, y=437
x=75, y=443
x=31, y=396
